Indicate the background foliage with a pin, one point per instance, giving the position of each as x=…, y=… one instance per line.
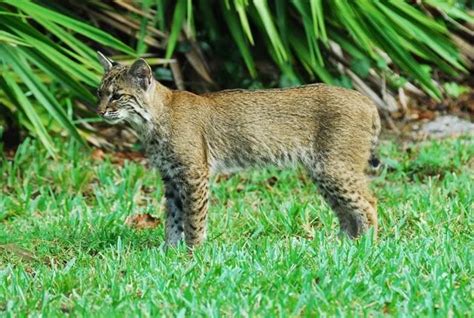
x=49, y=66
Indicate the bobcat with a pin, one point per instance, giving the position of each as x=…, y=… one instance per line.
x=331, y=131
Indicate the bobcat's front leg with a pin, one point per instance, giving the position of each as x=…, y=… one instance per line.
x=174, y=212
x=195, y=203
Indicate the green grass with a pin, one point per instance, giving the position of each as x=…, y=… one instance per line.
x=273, y=248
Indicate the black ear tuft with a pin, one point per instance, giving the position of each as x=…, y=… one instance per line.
x=141, y=73
x=107, y=63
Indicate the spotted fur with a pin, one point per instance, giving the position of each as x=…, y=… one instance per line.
x=331, y=131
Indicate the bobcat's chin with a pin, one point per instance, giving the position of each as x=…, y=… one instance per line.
x=113, y=121
x=113, y=118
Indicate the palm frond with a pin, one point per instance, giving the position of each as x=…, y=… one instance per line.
x=46, y=44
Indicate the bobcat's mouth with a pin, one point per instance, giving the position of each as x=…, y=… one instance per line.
x=112, y=117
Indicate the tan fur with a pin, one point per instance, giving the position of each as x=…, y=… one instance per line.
x=329, y=130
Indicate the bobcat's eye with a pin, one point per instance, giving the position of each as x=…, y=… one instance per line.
x=116, y=96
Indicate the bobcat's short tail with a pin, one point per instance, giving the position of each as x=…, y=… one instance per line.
x=374, y=162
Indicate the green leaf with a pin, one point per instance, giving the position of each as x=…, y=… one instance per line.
x=39, y=90
x=240, y=6
x=449, y=8
x=70, y=66
x=361, y=67
x=190, y=18
x=317, y=15
x=53, y=71
x=41, y=13
x=8, y=38
x=267, y=20
x=209, y=21
x=431, y=39
x=311, y=37
x=142, y=33
x=385, y=35
x=239, y=38
x=160, y=14
x=30, y=112
x=282, y=21
x=348, y=17
x=418, y=16
x=177, y=24
x=74, y=43
x=304, y=55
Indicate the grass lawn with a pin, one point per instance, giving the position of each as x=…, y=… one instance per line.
x=272, y=247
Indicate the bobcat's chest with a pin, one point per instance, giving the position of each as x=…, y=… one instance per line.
x=161, y=156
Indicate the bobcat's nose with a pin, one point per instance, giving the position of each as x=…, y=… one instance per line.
x=100, y=112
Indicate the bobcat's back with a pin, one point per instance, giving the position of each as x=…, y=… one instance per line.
x=287, y=126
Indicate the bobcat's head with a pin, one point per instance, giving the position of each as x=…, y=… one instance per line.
x=125, y=92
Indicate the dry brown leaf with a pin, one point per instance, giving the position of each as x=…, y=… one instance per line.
x=272, y=181
x=119, y=157
x=18, y=251
x=97, y=154
x=426, y=114
x=240, y=187
x=10, y=154
x=222, y=177
x=132, y=8
x=177, y=75
x=142, y=221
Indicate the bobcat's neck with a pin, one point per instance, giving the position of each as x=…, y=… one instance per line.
x=157, y=126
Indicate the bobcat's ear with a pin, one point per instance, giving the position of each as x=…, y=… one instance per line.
x=105, y=61
x=141, y=73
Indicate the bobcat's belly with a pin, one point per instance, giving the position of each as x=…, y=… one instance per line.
x=243, y=161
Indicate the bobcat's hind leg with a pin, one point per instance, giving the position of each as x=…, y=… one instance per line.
x=348, y=195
